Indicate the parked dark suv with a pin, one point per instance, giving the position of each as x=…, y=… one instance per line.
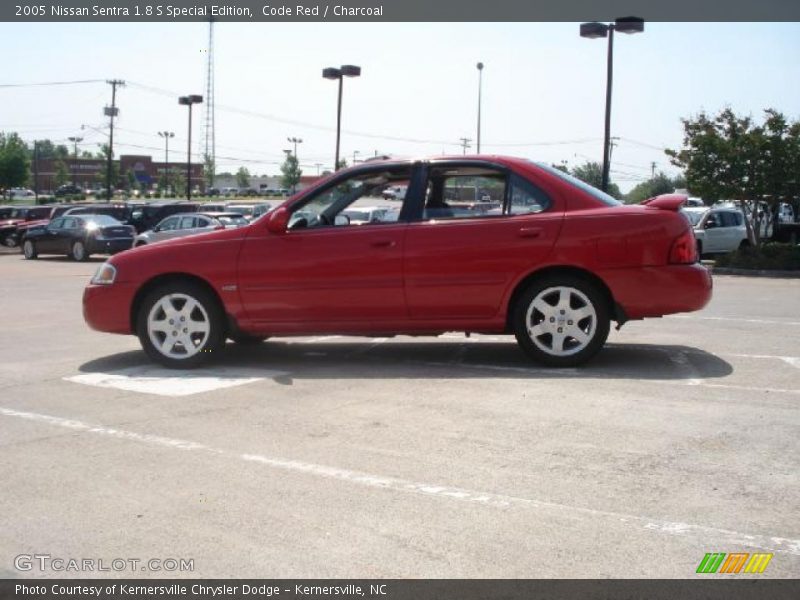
x=147, y=216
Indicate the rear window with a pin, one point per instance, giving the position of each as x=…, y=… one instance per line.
x=102, y=220
x=575, y=182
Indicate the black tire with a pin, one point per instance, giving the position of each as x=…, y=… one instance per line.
x=244, y=339
x=583, y=297
x=29, y=250
x=744, y=244
x=205, y=348
x=78, y=251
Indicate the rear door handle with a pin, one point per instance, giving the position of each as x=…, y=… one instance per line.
x=383, y=244
x=530, y=232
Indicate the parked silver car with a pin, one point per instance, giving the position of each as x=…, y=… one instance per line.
x=183, y=224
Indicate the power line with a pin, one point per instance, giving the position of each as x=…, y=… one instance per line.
x=49, y=83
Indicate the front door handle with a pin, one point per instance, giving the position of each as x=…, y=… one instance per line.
x=383, y=244
x=530, y=232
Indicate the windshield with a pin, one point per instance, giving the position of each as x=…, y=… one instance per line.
x=694, y=216
x=592, y=191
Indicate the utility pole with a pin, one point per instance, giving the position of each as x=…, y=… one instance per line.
x=36, y=171
x=465, y=144
x=111, y=112
x=75, y=140
x=318, y=165
x=653, y=170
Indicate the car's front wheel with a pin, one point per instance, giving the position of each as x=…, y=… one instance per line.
x=180, y=325
x=29, y=250
x=562, y=321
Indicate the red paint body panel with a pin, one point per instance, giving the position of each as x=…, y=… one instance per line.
x=417, y=276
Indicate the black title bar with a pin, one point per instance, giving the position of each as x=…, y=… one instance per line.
x=396, y=10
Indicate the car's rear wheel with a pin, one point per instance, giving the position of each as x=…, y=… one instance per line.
x=180, y=325
x=744, y=244
x=29, y=250
x=562, y=321
x=78, y=251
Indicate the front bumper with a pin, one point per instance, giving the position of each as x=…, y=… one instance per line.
x=658, y=291
x=108, y=307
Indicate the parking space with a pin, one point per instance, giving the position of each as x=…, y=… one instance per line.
x=403, y=457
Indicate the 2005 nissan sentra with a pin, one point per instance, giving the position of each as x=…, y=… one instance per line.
x=482, y=244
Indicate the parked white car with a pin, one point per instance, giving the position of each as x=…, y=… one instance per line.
x=17, y=193
x=718, y=229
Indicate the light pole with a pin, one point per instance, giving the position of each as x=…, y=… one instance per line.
x=355, y=153
x=601, y=30
x=480, y=85
x=340, y=74
x=166, y=135
x=295, y=141
x=189, y=101
x=75, y=140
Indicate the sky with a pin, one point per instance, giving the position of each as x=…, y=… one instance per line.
x=543, y=87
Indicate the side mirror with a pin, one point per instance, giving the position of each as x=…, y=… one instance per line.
x=341, y=220
x=710, y=224
x=279, y=220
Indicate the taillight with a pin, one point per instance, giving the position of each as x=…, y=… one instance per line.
x=684, y=249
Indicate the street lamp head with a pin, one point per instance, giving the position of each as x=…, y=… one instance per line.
x=331, y=73
x=189, y=100
x=629, y=25
x=594, y=30
x=480, y=66
x=350, y=71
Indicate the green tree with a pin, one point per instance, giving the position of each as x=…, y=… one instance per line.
x=290, y=172
x=49, y=151
x=243, y=177
x=655, y=186
x=62, y=173
x=14, y=161
x=730, y=157
x=592, y=173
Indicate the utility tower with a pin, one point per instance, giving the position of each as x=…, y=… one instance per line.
x=209, y=136
x=465, y=143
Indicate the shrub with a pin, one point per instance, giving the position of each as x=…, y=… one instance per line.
x=773, y=257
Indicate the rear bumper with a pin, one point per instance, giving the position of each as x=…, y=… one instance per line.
x=108, y=307
x=110, y=246
x=657, y=291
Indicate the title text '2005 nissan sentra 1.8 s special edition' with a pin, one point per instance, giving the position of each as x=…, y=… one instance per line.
x=479, y=244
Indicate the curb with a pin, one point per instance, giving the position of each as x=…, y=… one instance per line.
x=755, y=273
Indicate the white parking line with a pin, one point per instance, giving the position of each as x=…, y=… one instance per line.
x=735, y=319
x=149, y=379
x=709, y=536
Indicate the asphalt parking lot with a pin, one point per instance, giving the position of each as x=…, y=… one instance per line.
x=403, y=457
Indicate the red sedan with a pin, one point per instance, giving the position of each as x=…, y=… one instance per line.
x=480, y=244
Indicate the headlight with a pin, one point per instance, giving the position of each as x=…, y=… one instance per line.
x=105, y=275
